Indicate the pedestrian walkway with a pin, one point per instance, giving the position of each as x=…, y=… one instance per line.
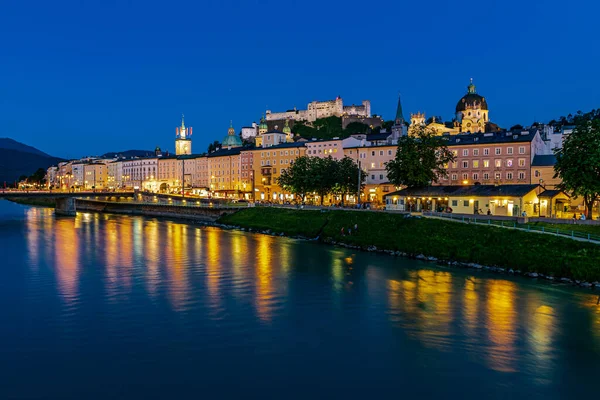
x=512, y=224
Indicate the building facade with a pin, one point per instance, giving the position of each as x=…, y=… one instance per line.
x=493, y=158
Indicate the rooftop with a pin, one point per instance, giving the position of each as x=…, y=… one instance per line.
x=547, y=160
x=491, y=138
x=466, y=191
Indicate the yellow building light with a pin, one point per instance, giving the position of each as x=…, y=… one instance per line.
x=465, y=182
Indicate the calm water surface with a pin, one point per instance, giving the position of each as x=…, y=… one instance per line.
x=106, y=306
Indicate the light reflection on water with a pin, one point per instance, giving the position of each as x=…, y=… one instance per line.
x=232, y=294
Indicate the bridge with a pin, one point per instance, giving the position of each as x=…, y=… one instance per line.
x=64, y=201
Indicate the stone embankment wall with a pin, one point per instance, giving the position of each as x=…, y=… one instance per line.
x=207, y=214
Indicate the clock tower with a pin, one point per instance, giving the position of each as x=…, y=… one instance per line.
x=183, y=142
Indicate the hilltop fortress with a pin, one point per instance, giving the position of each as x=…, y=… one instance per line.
x=323, y=109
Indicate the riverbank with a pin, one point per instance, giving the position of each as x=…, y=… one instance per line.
x=475, y=246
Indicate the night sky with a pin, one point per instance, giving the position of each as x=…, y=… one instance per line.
x=85, y=77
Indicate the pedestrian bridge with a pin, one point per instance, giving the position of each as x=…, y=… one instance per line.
x=64, y=201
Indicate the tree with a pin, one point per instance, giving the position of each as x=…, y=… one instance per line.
x=296, y=179
x=421, y=158
x=214, y=146
x=323, y=172
x=346, y=180
x=356, y=127
x=578, y=162
x=38, y=176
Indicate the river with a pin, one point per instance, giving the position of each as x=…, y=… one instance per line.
x=108, y=306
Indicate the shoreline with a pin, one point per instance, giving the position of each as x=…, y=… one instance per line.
x=422, y=257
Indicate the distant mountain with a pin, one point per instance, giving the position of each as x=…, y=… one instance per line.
x=14, y=163
x=11, y=144
x=128, y=154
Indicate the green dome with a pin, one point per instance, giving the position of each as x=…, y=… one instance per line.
x=231, y=141
x=263, y=123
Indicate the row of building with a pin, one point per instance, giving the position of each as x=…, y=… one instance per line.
x=484, y=156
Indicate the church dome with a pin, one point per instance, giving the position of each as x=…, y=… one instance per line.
x=471, y=100
x=263, y=123
x=231, y=140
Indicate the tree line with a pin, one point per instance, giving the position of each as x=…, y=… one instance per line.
x=323, y=176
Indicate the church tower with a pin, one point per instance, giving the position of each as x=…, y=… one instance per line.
x=472, y=111
x=183, y=142
x=262, y=129
x=289, y=136
x=399, y=128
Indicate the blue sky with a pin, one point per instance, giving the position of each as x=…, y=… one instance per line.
x=85, y=77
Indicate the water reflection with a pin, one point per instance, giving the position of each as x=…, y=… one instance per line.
x=212, y=278
x=501, y=324
x=66, y=246
x=264, y=277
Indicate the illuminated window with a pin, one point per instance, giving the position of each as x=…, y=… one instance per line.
x=475, y=163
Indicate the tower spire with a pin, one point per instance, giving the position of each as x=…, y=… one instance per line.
x=471, y=87
x=399, y=115
x=182, y=122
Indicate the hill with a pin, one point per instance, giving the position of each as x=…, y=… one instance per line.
x=128, y=154
x=14, y=163
x=11, y=144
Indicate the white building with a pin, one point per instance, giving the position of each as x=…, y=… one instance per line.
x=78, y=174
x=140, y=173
x=115, y=174
x=249, y=132
x=323, y=109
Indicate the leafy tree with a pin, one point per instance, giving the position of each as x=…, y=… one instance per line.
x=356, y=127
x=321, y=175
x=578, y=162
x=346, y=179
x=38, y=176
x=296, y=178
x=421, y=159
x=214, y=146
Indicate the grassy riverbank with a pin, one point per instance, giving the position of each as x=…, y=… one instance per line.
x=525, y=251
